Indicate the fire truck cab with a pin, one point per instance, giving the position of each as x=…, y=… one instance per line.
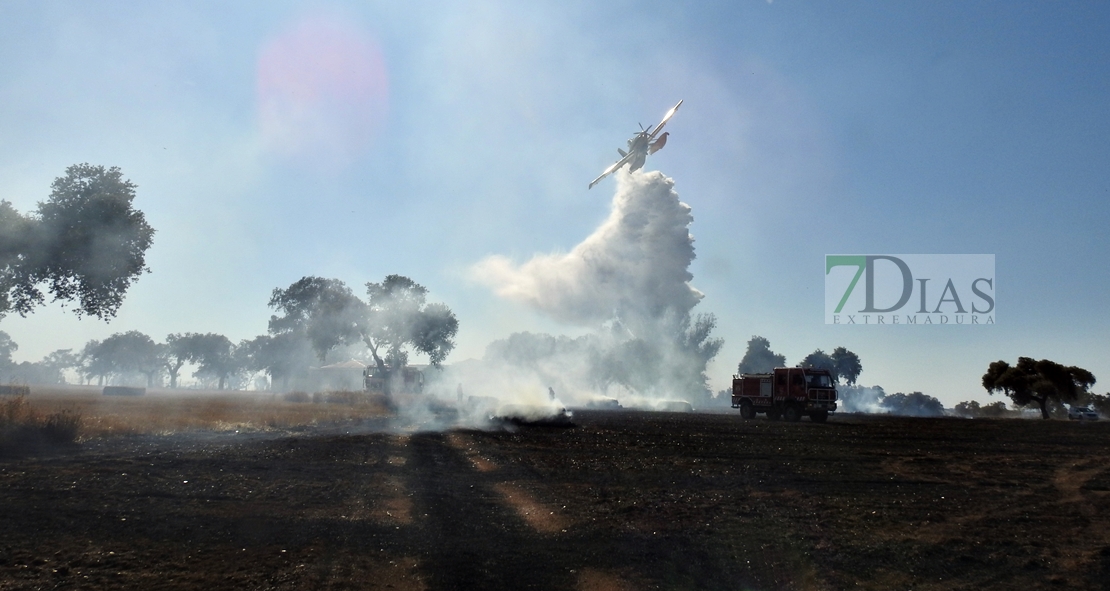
x=787, y=393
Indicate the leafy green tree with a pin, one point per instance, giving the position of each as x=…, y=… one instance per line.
x=325, y=311
x=972, y=409
x=7, y=348
x=821, y=360
x=281, y=356
x=122, y=354
x=93, y=364
x=214, y=355
x=51, y=369
x=914, y=404
x=86, y=243
x=1042, y=382
x=175, y=354
x=847, y=365
x=759, y=358
x=397, y=317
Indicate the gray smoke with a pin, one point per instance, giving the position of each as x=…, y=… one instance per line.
x=874, y=400
x=633, y=267
x=629, y=281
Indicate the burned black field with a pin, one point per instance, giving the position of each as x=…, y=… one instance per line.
x=623, y=500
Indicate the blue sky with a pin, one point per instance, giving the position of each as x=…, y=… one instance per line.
x=472, y=130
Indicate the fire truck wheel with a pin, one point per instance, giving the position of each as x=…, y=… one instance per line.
x=820, y=416
x=774, y=414
x=746, y=410
x=792, y=414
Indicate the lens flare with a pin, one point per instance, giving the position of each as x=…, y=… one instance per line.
x=322, y=93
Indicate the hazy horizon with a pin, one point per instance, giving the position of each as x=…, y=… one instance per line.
x=273, y=141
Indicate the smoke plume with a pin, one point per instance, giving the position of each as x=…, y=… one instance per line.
x=633, y=267
x=629, y=281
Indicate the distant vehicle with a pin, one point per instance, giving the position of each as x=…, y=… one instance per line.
x=639, y=146
x=1082, y=413
x=786, y=392
x=409, y=380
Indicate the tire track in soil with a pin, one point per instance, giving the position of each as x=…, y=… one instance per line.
x=469, y=539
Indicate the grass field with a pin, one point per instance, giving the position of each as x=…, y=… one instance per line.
x=162, y=412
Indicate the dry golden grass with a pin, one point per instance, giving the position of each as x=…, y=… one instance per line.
x=162, y=412
x=23, y=428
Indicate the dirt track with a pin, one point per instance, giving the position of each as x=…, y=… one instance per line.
x=622, y=501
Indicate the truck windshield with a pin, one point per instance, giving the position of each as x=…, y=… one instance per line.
x=818, y=381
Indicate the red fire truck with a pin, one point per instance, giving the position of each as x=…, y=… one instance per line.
x=786, y=392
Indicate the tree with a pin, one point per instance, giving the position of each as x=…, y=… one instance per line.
x=847, y=365
x=51, y=369
x=397, y=317
x=325, y=311
x=914, y=404
x=280, y=356
x=122, y=354
x=1041, y=382
x=972, y=409
x=213, y=353
x=85, y=243
x=694, y=344
x=93, y=364
x=175, y=354
x=821, y=360
x=759, y=358
x=7, y=347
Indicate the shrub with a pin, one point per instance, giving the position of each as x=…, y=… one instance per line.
x=15, y=412
x=61, y=427
x=295, y=397
x=12, y=390
x=23, y=430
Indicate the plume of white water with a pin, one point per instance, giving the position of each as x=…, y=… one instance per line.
x=629, y=280
x=634, y=266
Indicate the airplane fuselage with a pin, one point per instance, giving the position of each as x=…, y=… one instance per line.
x=638, y=148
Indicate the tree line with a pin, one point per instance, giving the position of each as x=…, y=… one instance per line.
x=1042, y=384
x=314, y=317
x=86, y=244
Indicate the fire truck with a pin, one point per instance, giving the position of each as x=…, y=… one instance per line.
x=785, y=393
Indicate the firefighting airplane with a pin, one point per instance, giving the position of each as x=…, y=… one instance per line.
x=639, y=146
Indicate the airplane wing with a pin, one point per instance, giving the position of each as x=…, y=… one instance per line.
x=611, y=169
x=666, y=118
x=627, y=157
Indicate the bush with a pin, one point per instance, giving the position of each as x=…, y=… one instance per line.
x=973, y=410
x=23, y=430
x=11, y=390
x=914, y=404
x=296, y=397
x=15, y=412
x=61, y=427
